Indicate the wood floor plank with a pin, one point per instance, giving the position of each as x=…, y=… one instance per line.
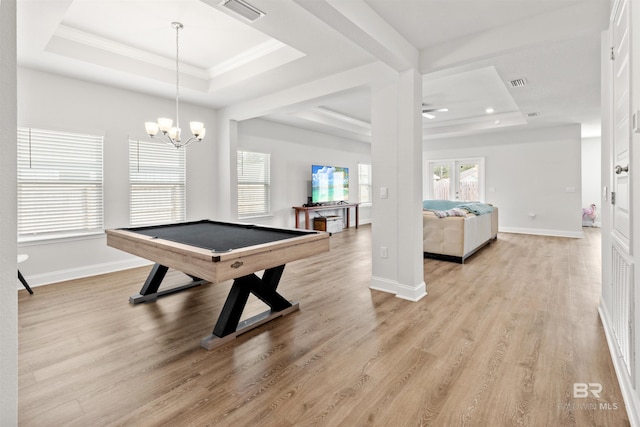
x=497, y=341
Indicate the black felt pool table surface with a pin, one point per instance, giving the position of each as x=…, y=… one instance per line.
x=218, y=236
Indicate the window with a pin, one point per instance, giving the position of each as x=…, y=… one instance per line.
x=157, y=181
x=364, y=182
x=456, y=180
x=59, y=184
x=253, y=184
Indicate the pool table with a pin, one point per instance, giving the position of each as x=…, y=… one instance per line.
x=214, y=251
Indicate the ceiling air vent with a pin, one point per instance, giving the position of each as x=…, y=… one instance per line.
x=243, y=9
x=518, y=82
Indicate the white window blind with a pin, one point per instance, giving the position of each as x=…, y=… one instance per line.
x=364, y=182
x=157, y=180
x=59, y=184
x=253, y=184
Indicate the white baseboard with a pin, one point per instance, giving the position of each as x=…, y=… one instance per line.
x=411, y=293
x=384, y=285
x=36, y=280
x=631, y=402
x=542, y=232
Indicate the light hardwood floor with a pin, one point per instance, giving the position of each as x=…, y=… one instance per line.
x=497, y=341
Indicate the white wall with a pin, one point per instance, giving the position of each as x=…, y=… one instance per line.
x=8, y=274
x=49, y=101
x=591, y=169
x=293, y=151
x=526, y=172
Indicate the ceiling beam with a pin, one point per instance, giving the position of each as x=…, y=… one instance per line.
x=361, y=25
x=310, y=94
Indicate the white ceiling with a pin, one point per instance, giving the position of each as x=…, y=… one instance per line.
x=312, y=63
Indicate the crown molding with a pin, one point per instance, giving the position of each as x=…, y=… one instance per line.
x=97, y=42
x=331, y=118
x=246, y=57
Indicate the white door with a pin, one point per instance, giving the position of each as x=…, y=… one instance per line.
x=621, y=129
x=620, y=262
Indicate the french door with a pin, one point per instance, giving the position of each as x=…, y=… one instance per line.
x=461, y=179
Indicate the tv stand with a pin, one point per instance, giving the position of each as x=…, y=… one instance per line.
x=306, y=209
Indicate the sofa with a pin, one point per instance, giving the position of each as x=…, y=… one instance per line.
x=459, y=231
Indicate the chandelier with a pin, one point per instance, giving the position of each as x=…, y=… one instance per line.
x=172, y=134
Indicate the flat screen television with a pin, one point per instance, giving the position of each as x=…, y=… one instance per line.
x=329, y=184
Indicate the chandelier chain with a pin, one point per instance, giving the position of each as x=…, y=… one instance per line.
x=177, y=26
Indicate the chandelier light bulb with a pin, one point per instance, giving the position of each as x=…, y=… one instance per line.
x=196, y=127
x=152, y=128
x=174, y=134
x=165, y=124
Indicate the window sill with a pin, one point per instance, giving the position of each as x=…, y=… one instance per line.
x=59, y=238
x=249, y=218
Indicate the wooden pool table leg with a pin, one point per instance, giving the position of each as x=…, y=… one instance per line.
x=150, y=290
x=228, y=326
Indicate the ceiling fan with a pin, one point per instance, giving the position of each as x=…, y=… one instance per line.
x=428, y=109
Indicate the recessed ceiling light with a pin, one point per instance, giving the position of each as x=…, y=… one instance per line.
x=489, y=110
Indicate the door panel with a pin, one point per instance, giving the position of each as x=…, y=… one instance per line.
x=467, y=181
x=441, y=181
x=621, y=132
